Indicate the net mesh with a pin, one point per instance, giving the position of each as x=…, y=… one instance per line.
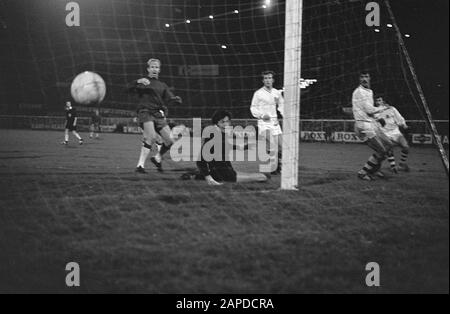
x=214, y=61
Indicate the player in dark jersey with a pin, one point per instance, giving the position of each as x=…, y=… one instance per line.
x=154, y=97
x=71, y=124
x=217, y=171
x=95, y=124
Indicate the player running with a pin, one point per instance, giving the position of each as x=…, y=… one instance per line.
x=71, y=124
x=267, y=105
x=95, y=124
x=368, y=129
x=393, y=124
x=154, y=97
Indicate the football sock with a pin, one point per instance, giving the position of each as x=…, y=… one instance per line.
x=372, y=164
x=404, y=156
x=145, y=151
x=391, y=160
x=380, y=160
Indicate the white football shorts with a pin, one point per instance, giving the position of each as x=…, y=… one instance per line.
x=272, y=126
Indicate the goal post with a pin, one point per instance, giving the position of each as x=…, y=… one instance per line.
x=292, y=74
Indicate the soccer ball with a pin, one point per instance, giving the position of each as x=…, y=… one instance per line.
x=88, y=88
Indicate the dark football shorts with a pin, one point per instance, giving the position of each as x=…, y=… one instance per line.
x=71, y=127
x=157, y=118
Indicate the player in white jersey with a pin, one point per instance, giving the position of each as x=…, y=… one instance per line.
x=393, y=124
x=368, y=129
x=267, y=106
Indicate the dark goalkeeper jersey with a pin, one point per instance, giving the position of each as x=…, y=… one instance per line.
x=221, y=170
x=153, y=97
x=71, y=114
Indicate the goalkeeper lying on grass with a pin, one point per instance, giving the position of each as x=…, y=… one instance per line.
x=217, y=171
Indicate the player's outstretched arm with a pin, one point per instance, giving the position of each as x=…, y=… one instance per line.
x=399, y=119
x=205, y=170
x=169, y=97
x=140, y=84
x=143, y=81
x=203, y=166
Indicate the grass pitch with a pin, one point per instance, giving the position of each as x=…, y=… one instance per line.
x=157, y=234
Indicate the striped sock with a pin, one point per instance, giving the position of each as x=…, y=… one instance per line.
x=391, y=160
x=404, y=157
x=372, y=164
x=379, y=160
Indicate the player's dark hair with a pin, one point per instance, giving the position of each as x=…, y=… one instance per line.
x=264, y=73
x=364, y=72
x=219, y=115
x=378, y=95
x=172, y=124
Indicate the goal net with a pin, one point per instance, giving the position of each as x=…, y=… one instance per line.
x=212, y=52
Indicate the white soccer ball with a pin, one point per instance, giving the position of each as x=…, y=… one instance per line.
x=88, y=88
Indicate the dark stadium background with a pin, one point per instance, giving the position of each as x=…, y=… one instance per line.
x=40, y=55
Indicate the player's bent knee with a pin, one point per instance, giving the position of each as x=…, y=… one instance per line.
x=377, y=146
x=147, y=145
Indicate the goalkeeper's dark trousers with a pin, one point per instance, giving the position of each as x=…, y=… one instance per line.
x=221, y=171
